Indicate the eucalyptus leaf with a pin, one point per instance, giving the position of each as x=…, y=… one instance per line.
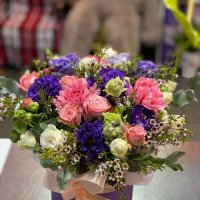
x=62, y=177
x=175, y=156
x=194, y=83
x=8, y=86
x=183, y=97
x=174, y=166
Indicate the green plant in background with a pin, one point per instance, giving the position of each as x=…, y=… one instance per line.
x=192, y=34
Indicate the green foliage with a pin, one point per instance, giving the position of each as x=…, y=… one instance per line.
x=20, y=126
x=44, y=124
x=14, y=136
x=184, y=97
x=152, y=163
x=8, y=86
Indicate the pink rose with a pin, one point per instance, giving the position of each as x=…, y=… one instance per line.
x=148, y=94
x=135, y=134
x=75, y=90
x=26, y=102
x=70, y=114
x=27, y=80
x=95, y=105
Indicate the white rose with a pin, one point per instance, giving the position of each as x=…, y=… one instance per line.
x=51, y=137
x=119, y=147
x=27, y=141
x=108, y=53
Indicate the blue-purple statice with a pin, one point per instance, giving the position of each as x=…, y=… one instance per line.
x=49, y=85
x=141, y=116
x=91, y=139
x=119, y=59
x=146, y=69
x=65, y=64
x=91, y=81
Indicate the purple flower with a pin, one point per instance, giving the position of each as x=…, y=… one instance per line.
x=48, y=84
x=107, y=74
x=91, y=139
x=146, y=69
x=119, y=59
x=91, y=81
x=141, y=116
x=65, y=64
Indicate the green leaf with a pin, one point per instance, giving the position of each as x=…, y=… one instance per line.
x=47, y=163
x=182, y=98
x=43, y=125
x=150, y=150
x=174, y=166
x=194, y=83
x=133, y=165
x=14, y=136
x=8, y=86
x=62, y=177
x=20, y=127
x=189, y=30
x=175, y=156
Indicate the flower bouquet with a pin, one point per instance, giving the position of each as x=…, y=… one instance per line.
x=97, y=123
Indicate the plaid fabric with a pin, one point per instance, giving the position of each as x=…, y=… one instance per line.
x=27, y=31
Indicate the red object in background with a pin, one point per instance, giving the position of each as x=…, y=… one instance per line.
x=27, y=31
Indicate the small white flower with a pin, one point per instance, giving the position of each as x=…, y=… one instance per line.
x=17, y=106
x=176, y=124
x=108, y=52
x=51, y=137
x=27, y=141
x=12, y=96
x=1, y=105
x=1, y=119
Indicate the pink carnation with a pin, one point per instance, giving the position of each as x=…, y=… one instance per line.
x=75, y=90
x=129, y=91
x=135, y=134
x=95, y=105
x=148, y=94
x=27, y=80
x=70, y=114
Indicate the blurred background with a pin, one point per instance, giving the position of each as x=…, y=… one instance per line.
x=145, y=28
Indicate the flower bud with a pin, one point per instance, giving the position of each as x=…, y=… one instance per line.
x=33, y=107
x=20, y=114
x=26, y=102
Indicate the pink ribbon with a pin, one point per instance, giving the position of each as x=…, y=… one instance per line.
x=86, y=187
